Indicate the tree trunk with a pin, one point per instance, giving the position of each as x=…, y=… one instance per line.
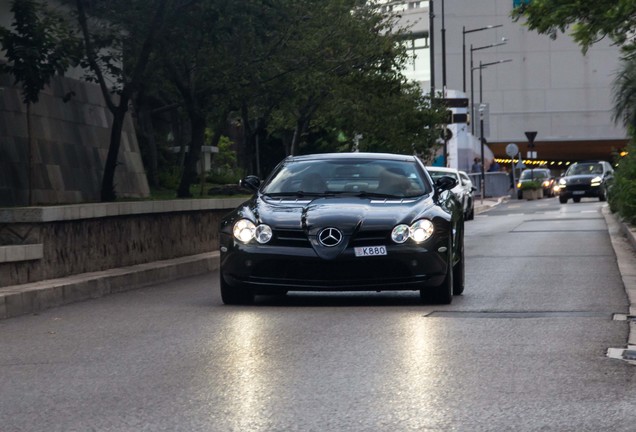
x=30, y=151
x=108, y=181
x=189, y=175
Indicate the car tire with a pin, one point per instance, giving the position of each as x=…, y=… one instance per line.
x=562, y=199
x=459, y=269
x=442, y=294
x=576, y=199
x=234, y=296
x=602, y=195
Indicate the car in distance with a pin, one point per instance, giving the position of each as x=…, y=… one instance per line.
x=465, y=191
x=586, y=179
x=542, y=175
x=344, y=222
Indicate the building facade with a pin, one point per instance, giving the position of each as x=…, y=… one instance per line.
x=529, y=82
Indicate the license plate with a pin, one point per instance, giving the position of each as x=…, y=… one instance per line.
x=370, y=251
x=578, y=192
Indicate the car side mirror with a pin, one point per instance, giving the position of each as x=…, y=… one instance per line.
x=250, y=182
x=445, y=183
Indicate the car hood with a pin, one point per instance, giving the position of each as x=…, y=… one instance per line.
x=581, y=178
x=349, y=214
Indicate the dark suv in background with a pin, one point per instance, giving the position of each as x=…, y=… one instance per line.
x=586, y=179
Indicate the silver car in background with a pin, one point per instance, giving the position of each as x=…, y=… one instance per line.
x=465, y=190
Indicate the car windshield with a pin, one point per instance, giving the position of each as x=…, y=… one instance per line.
x=533, y=174
x=384, y=178
x=585, y=168
x=435, y=174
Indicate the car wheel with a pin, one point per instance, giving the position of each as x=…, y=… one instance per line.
x=519, y=195
x=459, y=268
x=563, y=199
x=471, y=212
x=234, y=296
x=576, y=199
x=442, y=294
x=602, y=195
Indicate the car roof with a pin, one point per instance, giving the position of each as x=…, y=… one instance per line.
x=353, y=155
x=589, y=161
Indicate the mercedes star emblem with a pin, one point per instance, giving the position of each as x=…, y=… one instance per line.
x=330, y=237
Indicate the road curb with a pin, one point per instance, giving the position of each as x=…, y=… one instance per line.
x=34, y=297
x=623, y=240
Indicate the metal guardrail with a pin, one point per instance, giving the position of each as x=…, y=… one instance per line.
x=497, y=183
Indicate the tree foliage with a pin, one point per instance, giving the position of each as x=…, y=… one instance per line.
x=294, y=75
x=588, y=21
x=40, y=46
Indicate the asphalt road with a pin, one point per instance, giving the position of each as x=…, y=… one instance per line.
x=524, y=349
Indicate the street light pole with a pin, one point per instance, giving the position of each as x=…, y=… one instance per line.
x=472, y=92
x=443, y=52
x=464, y=33
x=481, y=141
x=431, y=26
x=482, y=108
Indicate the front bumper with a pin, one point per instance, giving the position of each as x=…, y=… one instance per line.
x=269, y=268
x=583, y=191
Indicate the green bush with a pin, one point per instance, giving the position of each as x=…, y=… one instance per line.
x=622, y=192
x=530, y=185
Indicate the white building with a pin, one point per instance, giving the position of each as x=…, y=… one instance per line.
x=546, y=85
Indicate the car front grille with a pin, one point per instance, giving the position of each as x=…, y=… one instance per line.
x=315, y=272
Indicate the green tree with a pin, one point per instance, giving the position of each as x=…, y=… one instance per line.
x=40, y=46
x=588, y=20
x=113, y=30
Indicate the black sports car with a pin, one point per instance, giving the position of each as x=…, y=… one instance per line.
x=586, y=179
x=344, y=222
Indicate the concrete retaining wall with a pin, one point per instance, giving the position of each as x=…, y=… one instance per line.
x=40, y=243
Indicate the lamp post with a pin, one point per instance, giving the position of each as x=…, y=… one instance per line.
x=472, y=87
x=464, y=33
x=443, y=55
x=482, y=108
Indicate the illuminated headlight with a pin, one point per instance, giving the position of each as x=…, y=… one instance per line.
x=421, y=230
x=596, y=181
x=562, y=182
x=245, y=231
x=400, y=233
x=546, y=183
x=518, y=185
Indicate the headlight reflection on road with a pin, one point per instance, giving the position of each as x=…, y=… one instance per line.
x=424, y=364
x=246, y=389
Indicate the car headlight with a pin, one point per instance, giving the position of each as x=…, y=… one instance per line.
x=400, y=233
x=596, y=181
x=562, y=182
x=420, y=231
x=245, y=231
x=546, y=183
